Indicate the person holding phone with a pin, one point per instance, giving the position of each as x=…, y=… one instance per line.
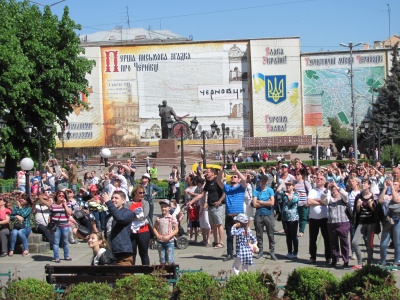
x=318, y=219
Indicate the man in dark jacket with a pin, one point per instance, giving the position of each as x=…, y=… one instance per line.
x=118, y=227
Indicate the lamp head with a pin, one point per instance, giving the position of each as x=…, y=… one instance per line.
x=26, y=164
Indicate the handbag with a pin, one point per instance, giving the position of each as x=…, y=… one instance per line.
x=18, y=224
x=52, y=225
x=82, y=230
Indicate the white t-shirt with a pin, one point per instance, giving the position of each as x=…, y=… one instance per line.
x=318, y=211
x=42, y=213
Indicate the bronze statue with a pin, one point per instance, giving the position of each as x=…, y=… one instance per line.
x=166, y=112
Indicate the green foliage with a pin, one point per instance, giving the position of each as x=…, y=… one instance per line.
x=41, y=77
x=250, y=285
x=88, y=291
x=386, y=158
x=30, y=289
x=371, y=280
x=387, y=104
x=340, y=135
x=310, y=284
x=197, y=286
x=146, y=287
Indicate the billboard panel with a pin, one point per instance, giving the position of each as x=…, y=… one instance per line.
x=206, y=80
x=275, y=67
x=326, y=85
x=86, y=125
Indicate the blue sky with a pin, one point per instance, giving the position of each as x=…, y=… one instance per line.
x=320, y=24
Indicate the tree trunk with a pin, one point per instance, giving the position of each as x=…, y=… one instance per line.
x=10, y=168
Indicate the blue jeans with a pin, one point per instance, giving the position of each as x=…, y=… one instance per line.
x=22, y=188
x=22, y=235
x=64, y=232
x=96, y=215
x=385, y=239
x=166, y=251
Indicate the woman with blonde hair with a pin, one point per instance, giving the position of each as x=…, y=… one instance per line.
x=101, y=254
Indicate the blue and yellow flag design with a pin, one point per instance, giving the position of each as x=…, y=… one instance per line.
x=275, y=87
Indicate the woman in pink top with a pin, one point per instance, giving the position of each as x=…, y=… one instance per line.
x=4, y=226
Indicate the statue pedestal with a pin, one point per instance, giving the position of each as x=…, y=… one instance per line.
x=167, y=149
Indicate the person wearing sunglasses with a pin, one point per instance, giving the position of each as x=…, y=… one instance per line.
x=60, y=212
x=140, y=232
x=234, y=203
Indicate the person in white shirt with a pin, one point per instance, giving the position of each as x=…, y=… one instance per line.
x=318, y=220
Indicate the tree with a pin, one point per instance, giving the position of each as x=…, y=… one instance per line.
x=42, y=72
x=387, y=105
x=340, y=135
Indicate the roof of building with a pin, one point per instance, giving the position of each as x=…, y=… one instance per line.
x=131, y=35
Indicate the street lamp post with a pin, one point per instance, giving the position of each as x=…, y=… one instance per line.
x=353, y=104
x=370, y=129
x=182, y=134
x=213, y=126
x=27, y=165
x=225, y=131
x=39, y=135
x=61, y=136
x=391, y=123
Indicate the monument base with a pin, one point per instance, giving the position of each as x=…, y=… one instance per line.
x=167, y=149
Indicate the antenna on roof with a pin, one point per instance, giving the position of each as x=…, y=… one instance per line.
x=127, y=14
x=390, y=42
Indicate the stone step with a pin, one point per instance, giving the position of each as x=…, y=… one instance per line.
x=42, y=247
x=35, y=238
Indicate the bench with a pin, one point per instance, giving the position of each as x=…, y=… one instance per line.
x=63, y=276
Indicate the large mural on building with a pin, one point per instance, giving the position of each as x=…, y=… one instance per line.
x=206, y=80
x=258, y=88
x=277, y=107
x=85, y=126
x=326, y=86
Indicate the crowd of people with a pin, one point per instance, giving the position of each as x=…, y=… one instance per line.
x=347, y=203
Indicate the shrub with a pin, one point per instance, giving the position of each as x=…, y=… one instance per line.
x=197, y=286
x=370, y=282
x=88, y=291
x=30, y=289
x=310, y=284
x=250, y=285
x=141, y=287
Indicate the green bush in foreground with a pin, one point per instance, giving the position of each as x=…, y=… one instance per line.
x=251, y=285
x=88, y=291
x=197, y=286
x=370, y=282
x=141, y=287
x=30, y=289
x=310, y=284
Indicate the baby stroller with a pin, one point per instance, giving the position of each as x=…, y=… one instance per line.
x=181, y=241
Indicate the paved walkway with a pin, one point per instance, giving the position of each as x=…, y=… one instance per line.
x=193, y=257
